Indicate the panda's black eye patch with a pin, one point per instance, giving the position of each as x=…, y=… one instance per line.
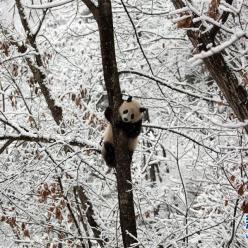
x=132, y=116
x=125, y=111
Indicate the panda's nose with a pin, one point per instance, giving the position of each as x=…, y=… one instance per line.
x=125, y=119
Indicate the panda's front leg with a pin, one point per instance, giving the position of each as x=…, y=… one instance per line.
x=108, y=114
x=109, y=154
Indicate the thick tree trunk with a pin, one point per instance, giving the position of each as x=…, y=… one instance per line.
x=123, y=159
x=235, y=94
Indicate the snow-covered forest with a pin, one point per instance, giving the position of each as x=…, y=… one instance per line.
x=186, y=61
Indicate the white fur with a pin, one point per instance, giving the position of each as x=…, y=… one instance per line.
x=108, y=137
x=133, y=107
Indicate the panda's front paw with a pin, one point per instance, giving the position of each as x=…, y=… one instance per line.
x=108, y=114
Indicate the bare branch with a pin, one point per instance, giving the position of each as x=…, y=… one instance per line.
x=41, y=22
x=9, y=142
x=183, y=135
x=137, y=37
x=173, y=87
x=92, y=7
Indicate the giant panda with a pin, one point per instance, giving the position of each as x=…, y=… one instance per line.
x=130, y=120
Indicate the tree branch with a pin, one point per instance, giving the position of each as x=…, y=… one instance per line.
x=183, y=135
x=223, y=19
x=9, y=142
x=173, y=87
x=92, y=7
x=39, y=76
x=137, y=37
x=88, y=209
x=29, y=137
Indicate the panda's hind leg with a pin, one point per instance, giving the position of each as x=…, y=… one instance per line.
x=109, y=154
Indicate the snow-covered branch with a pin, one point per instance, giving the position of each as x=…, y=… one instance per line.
x=31, y=137
x=172, y=87
x=48, y=5
x=217, y=49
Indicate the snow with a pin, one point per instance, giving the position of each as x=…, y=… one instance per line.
x=217, y=49
x=48, y=5
x=190, y=166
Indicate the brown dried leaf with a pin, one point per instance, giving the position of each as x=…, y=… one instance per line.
x=185, y=23
x=3, y=218
x=15, y=70
x=58, y=214
x=5, y=47
x=213, y=10
x=232, y=178
x=241, y=190
x=69, y=218
x=26, y=233
x=78, y=101
x=244, y=207
x=147, y=214
x=49, y=228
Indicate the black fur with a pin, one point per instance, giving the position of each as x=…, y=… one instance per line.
x=109, y=154
x=131, y=130
x=142, y=110
x=108, y=114
x=129, y=98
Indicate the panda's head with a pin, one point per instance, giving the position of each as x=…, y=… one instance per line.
x=131, y=111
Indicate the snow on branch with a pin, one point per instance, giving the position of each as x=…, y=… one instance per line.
x=180, y=134
x=10, y=58
x=228, y=7
x=207, y=19
x=166, y=84
x=179, y=11
x=196, y=59
x=32, y=137
x=49, y=5
x=230, y=125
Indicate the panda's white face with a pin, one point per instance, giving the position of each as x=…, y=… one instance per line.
x=127, y=115
x=131, y=112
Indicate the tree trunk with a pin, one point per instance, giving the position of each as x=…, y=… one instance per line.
x=123, y=158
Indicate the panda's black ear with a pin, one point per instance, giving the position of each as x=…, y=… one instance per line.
x=129, y=99
x=142, y=110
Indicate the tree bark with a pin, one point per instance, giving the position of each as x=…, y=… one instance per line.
x=235, y=94
x=123, y=158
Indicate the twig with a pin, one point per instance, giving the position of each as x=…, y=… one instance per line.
x=137, y=37
x=233, y=223
x=183, y=135
x=172, y=87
